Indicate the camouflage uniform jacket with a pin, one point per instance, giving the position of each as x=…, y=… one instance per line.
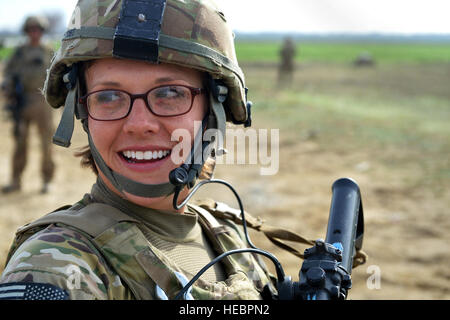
x=94, y=251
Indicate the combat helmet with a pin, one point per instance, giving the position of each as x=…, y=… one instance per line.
x=35, y=21
x=189, y=33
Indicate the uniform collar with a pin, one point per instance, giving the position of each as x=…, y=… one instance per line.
x=167, y=224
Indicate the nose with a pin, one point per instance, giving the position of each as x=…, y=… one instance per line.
x=140, y=120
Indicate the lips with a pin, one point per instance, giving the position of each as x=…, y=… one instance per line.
x=134, y=163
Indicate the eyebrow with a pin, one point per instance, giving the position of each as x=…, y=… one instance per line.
x=164, y=79
x=109, y=83
x=117, y=84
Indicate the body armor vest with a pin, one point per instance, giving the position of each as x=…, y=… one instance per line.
x=148, y=273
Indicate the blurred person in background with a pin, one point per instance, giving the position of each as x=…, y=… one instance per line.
x=24, y=77
x=287, y=62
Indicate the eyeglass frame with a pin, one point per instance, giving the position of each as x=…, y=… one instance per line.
x=144, y=96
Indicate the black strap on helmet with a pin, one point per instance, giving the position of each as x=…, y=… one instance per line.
x=65, y=128
x=137, y=33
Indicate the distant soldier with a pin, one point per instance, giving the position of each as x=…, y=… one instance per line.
x=24, y=76
x=287, y=65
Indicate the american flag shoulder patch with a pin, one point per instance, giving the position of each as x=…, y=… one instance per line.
x=31, y=291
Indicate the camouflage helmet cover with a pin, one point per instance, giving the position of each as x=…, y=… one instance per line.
x=185, y=23
x=35, y=21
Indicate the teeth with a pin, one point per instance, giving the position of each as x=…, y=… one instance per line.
x=145, y=155
x=139, y=155
x=148, y=155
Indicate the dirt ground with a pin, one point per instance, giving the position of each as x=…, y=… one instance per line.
x=406, y=228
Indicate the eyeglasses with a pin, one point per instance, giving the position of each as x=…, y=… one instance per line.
x=162, y=101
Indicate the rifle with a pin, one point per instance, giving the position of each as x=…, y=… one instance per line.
x=326, y=271
x=16, y=102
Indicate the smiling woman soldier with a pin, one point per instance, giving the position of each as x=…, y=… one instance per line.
x=134, y=72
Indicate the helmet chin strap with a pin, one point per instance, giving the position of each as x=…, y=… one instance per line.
x=124, y=184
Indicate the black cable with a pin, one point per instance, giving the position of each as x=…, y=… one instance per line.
x=254, y=249
x=200, y=184
x=278, y=267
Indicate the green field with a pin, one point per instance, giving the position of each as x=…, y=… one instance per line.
x=335, y=52
x=403, y=106
x=5, y=52
x=346, y=52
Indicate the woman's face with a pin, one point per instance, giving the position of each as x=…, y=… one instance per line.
x=34, y=34
x=142, y=132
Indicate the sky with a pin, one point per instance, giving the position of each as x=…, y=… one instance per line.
x=306, y=16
